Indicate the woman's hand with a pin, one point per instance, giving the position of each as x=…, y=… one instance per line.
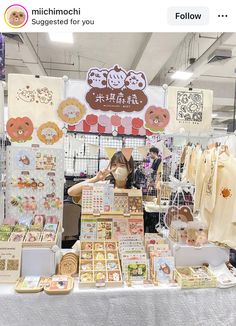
x=102, y=174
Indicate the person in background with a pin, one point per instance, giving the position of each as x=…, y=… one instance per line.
x=118, y=172
x=154, y=154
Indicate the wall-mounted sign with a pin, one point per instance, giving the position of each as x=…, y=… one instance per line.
x=116, y=90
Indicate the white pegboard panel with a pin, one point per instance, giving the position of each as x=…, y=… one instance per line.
x=30, y=166
x=80, y=167
x=93, y=140
x=78, y=145
x=67, y=145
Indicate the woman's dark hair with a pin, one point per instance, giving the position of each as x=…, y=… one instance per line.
x=118, y=157
x=154, y=150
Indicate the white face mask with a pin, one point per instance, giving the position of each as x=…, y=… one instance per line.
x=120, y=174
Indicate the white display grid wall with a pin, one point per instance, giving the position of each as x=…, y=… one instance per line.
x=15, y=169
x=79, y=159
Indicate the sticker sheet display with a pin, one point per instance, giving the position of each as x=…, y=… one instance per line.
x=88, y=229
x=104, y=229
x=120, y=227
x=110, y=227
x=35, y=179
x=121, y=202
x=97, y=198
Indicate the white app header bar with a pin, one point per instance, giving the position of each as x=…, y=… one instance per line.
x=116, y=16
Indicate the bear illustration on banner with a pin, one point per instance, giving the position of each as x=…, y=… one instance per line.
x=116, y=90
x=156, y=118
x=20, y=129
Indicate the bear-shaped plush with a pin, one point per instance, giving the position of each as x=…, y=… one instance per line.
x=175, y=213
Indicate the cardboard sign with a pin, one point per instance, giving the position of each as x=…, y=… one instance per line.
x=116, y=90
x=10, y=261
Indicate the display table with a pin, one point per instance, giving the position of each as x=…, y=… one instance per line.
x=119, y=306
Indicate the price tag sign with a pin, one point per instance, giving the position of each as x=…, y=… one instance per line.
x=10, y=261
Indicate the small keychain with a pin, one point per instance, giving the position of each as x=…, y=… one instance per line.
x=46, y=203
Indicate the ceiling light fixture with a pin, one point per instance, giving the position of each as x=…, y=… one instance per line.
x=214, y=115
x=182, y=75
x=61, y=37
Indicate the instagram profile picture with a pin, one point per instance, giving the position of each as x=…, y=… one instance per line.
x=16, y=16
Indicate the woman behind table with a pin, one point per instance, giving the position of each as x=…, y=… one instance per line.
x=119, y=172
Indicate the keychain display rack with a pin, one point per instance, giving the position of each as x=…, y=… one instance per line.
x=35, y=179
x=80, y=161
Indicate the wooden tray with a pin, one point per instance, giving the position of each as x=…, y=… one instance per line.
x=59, y=291
x=37, y=289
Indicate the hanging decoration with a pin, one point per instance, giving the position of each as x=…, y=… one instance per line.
x=110, y=151
x=20, y=129
x=71, y=111
x=49, y=133
x=116, y=90
x=156, y=118
x=127, y=152
x=166, y=152
x=93, y=149
x=143, y=150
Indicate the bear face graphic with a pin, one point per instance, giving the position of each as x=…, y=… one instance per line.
x=97, y=78
x=156, y=118
x=135, y=81
x=17, y=18
x=20, y=129
x=116, y=78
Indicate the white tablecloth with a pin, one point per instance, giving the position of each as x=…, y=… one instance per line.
x=120, y=307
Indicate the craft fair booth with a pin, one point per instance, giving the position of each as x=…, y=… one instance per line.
x=123, y=269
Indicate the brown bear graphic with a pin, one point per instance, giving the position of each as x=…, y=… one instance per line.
x=17, y=18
